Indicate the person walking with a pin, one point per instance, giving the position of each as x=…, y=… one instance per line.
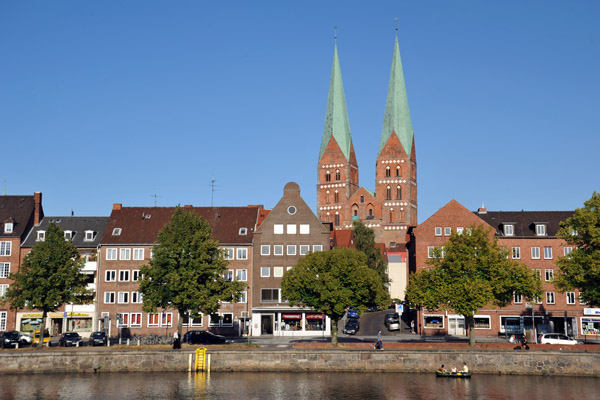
x=379, y=344
x=176, y=342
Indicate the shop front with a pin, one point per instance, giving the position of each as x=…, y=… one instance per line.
x=289, y=322
x=590, y=322
x=57, y=322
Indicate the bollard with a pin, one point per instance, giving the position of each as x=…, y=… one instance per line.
x=77, y=344
x=107, y=342
x=17, y=346
x=138, y=342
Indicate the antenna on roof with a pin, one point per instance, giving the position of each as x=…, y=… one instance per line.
x=156, y=196
x=212, y=191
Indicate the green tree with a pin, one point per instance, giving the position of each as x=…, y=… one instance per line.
x=364, y=239
x=470, y=272
x=187, y=270
x=49, y=277
x=581, y=268
x=328, y=282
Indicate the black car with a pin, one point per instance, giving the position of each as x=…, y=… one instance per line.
x=69, y=339
x=351, y=327
x=9, y=339
x=98, y=339
x=203, y=337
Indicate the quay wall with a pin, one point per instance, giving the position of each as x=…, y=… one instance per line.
x=480, y=362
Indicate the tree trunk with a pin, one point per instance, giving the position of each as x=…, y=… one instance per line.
x=470, y=321
x=334, y=332
x=40, y=344
x=180, y=322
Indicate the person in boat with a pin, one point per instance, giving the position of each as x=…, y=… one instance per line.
x=442, y=369
x=454, y=370
x=465, y=368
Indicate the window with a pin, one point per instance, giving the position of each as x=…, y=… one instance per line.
x=265, y=250
x=337, y=175
x=229, y=253
x=460, y=230
x=229, y=275
x=5, y=248
x=278, y=250
x=153, y=320
x=136, y=297
x=535, y=253
x=388, y=171
x=89, y=236
x=68, y=235
x=362, y=198
x=291, y=229
x=277, y=272
x=317, y=247
x=509, y=230
x=567, y=250
x=438, y=231
x=122, y=320
x=549, y=297
x=124, y=275
x=242, y=253
x=388, y=193
x=337, y=219
x=241, y=275
x=265, y=272
x=243, y=231
x=327, y=176
x=116, y=232
x=41, y=236
x=243, y=297
x=269, y=295
x=135, y=275
x=549, y=275
x=125, y=254
x=109, y=297
x=481, y=322
x=4, y=270
x=291, y=249
x=447, y=231
x=516, y=253
x=430, y=251
x=291, y=210
x=540, y=229
x=433, y=321
x=570, y=297
x=123, y=297
x=135, y=320
x=336, y=197
x=138, y=254
x=538, y=272
x=518, y=298
x=548, y=253
x=278, y=229
x=538, y=300
x=398, y=171
x=192, y=321
x=304, y=249
x=224, y=319
x=3, y=316
x=3, y=289
x=8, y=227
x=110, y=275
x=304, y=229
x=398, y=193
x=111, y=254
x=166, y=319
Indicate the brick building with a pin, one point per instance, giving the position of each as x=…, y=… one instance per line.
x=127, y=244
x=392, y=208
x=529, y=237
x=18, y=214
x=290, y=231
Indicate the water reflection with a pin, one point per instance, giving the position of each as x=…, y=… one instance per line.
x=292, y=386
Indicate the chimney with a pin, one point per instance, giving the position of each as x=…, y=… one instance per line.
x=482, y=210
x=188, y=206
x=38, y=213
x=117, y=206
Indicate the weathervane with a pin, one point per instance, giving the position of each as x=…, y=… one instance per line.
x=335, y=33
x=396, y=19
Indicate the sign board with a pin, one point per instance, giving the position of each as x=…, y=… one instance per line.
x=591, y=311
x=399, y=308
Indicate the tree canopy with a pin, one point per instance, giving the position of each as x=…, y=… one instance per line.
x=470, y=272
x=187, y=270
x=49, y=276
x=330, y=281
x=364, y=239
x=580, y=269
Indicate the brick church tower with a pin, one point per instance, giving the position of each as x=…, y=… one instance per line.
x=392, y=208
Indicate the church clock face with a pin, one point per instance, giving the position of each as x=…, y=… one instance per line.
x=291, y=210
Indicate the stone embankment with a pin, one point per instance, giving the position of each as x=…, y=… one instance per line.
x=480, y=361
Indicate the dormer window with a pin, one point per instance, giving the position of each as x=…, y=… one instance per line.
x=41, y=236
x=509, y=230
x=540, y=229
x=116, y=232
x=68, y=235
x=8, y=227
x=89, y=236
x=243, y=231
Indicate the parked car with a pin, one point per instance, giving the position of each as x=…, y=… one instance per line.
x=203, y=337
x=389, y=317
x=36, y=337
x=98, y=338
x=25, y=338
x=69, y=339
x=557, y=338
x=352, y=313
x=351, y=327
x=9, y=339
x=393, y=324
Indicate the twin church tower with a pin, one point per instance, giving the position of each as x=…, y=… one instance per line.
x=392, y=208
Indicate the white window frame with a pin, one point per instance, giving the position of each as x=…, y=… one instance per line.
x=567, y=250
x=138, y=253
x=535, y=253
x=516, y=253
x=3, y=319
x=4, y=269
x=229, y=275
x=304, y=249
x=550, y=298
x=110, y=275
x=265, y=250
x=489, y=326
x=242, y=253
x=135, y=320
x=89, y=236
x=304, y=229
x=111, y=254
x=124, y=317
x=3, y=289
x=549, y=275
x=241, y=275
x=136, y=298
x=153, y=320
x=243, y=297
x=5, y=248
x=123, y=275
x=430, y=250
x=538, y=272
x=571, y=298
x=41, y=236
x=229, y=253
x=243, y=231
x=540, y=229
x=265, y=272
x=123, y=298
x=125, y=253
x=317, y=247
x=459, y=230
x=547, y=253
x=278, y=229
x=8, y=227
x=135, y=275
x=109, y=297
x=447, y=231
x=278, y=250
x=509, y=230
x=291, y=229
x=68, y=235
x=277, y=272
x=440, y=316
x=117, y=231
x=438, y=231
x=293, y=249
x=517, y=298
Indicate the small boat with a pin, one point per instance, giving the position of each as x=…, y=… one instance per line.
x=448, y=374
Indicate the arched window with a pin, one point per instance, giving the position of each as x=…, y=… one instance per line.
x=398, y=193
x=388, y=193
x=370, y=212
x=336, y=197
x=362, y=198
x=391, y=216
x=388, y=171
x=337, y=219
x=398, y=171
x=327, y=176
x=327, y=197
x=337, y=174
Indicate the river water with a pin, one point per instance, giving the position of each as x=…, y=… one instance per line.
x=293, y=386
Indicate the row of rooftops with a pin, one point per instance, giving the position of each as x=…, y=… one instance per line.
x=524, y=224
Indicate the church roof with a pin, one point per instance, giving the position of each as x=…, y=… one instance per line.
x=397, y=114
x=336, y=117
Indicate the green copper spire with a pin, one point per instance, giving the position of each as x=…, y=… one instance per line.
x=397, y=114
x=336, y=117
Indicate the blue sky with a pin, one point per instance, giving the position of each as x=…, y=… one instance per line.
x=113, y=102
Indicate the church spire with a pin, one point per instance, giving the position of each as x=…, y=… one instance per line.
x=336, y=117
x=397, y=114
